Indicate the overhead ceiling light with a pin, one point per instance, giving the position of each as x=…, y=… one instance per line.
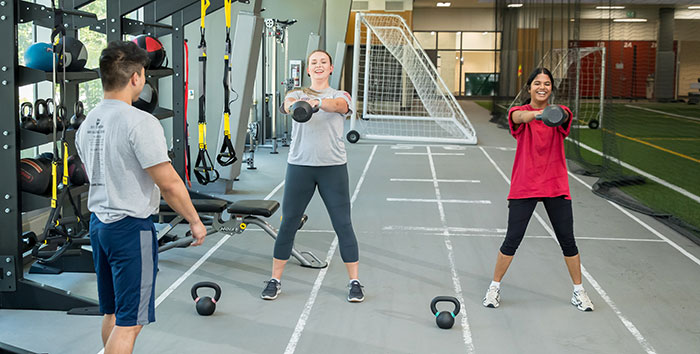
x=630, y=20
x=694, y=7
x=432, y=33
x=609, y=7
x=515, y=5
x=444, y=4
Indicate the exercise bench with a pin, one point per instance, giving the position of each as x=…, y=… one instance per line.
x=242, y=213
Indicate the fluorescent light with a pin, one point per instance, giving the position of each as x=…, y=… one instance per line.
x=609, y=7
x=444, y=4
x=515, y=5
x=432, y=33
x=572, y=20
x=694, y=7
x=630, y=20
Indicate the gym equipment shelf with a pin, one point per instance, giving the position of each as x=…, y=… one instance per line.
x=162, y=113
x=134, y=27
x=17, y=292
x=33, y=201
x=30, y=138
x=28, y=76
x=43, y=16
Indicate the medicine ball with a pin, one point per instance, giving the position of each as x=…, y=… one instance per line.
x=148, y=99
x=35, y=175
x=38, y=56
x=156, y=52
x=76, y=171
x=76, y=54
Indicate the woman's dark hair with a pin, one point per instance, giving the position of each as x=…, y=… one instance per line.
x=118, y=62
x=532, y=77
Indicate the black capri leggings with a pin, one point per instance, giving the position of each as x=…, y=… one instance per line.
x=300, y=185
x=560, y=215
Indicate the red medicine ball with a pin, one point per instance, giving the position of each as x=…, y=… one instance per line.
x=156, y=52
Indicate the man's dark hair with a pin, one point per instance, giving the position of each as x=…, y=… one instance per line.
x=118, y=62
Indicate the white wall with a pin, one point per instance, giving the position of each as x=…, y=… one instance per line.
x=457, y=19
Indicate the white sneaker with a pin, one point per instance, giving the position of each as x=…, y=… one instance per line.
x=581, y=300
x=492, y=298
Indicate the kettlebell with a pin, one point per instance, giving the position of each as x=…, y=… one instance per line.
x=445, y=319
x=44, y=115
x=552, y=116
x=77, y=119
x=26, y=119
x=206, y=305
x=302, y=111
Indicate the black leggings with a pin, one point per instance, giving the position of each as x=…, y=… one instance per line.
x=560, y=215
x=300, y=185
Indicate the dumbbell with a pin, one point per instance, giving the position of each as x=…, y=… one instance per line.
x=552, y=116
x=302, y=111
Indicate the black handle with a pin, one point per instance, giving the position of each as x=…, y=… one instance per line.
x=206, y=284
x=451, y=299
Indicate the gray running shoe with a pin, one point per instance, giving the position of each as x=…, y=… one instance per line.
x=356, y=294
x=272, y=289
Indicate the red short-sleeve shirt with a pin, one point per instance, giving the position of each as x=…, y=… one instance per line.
x=539, y=169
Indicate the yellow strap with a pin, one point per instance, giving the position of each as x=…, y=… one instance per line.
x=227, y=11
x=227, y=131
x=54, y=165
x=205, y=4
x=202, y=127
x=65, y=164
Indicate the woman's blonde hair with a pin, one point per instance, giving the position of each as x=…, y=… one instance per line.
x=307, y=90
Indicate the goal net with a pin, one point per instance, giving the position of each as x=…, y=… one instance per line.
x=578, y=83
x=398, y=94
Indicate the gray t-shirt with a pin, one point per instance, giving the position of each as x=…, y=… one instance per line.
x=319, y=141
x=117, y=142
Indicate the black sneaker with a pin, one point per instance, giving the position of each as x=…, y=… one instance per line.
x=356, y=294
x=272, y=289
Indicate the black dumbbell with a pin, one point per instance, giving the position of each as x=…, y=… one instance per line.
x=445, y=319
x=301, y=111
x=552, y=116
x=206, y=305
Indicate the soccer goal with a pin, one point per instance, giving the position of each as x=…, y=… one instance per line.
x=579, y=82
x=397, y=92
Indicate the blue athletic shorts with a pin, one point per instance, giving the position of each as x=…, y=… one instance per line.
x=126, y=261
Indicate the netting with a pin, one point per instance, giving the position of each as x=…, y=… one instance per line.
x=399, y=93
x=646, y=62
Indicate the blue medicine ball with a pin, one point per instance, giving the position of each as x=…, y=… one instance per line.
x=38, y=56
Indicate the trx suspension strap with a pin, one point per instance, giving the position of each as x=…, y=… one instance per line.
x=187, y=127
x=204, y=167
x=227, y=155
x=58, y=35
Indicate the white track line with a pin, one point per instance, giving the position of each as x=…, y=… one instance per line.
x=431, y=181
x=301, y=323
x=645, y=225
x=199, y=263
x=458, y=201
x=440, y=229
x=628, y=324
x=638, y=171
x=466, y=331
x=434, y=154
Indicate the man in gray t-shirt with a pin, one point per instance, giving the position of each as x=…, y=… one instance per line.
x=126, y=160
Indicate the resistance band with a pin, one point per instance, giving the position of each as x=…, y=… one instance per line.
x=204, y=167
x=227, y=155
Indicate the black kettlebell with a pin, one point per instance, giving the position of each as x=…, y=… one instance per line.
x=77, y=119
x=44, y=115
x=552, y=116
x=26, y=119
x=445, y=319
x=302, y=111
x=206, y=305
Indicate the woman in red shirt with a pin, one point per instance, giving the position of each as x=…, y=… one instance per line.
x=539, y=174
